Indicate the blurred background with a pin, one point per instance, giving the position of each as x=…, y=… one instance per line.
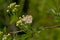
x=46, y=14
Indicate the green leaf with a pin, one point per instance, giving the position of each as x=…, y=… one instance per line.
x=4, y=29
x=14, y=19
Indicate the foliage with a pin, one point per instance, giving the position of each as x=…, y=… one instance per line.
x=30, y=20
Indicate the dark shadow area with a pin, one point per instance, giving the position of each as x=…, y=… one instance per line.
x=26, y=6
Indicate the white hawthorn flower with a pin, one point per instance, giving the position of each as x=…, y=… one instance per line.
x=27, y=19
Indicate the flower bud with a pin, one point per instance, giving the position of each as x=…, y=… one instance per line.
x=12, y=4
x=7, y=10
x=17, y=5
x=8, y=34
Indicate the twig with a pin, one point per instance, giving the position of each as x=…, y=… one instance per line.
x=17, y=31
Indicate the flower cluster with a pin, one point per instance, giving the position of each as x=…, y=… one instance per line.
x=12, y=8
x=5, y=36
x=24, y=20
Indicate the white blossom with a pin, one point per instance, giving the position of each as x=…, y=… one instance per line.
x=24, y=20
x=28, y=19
